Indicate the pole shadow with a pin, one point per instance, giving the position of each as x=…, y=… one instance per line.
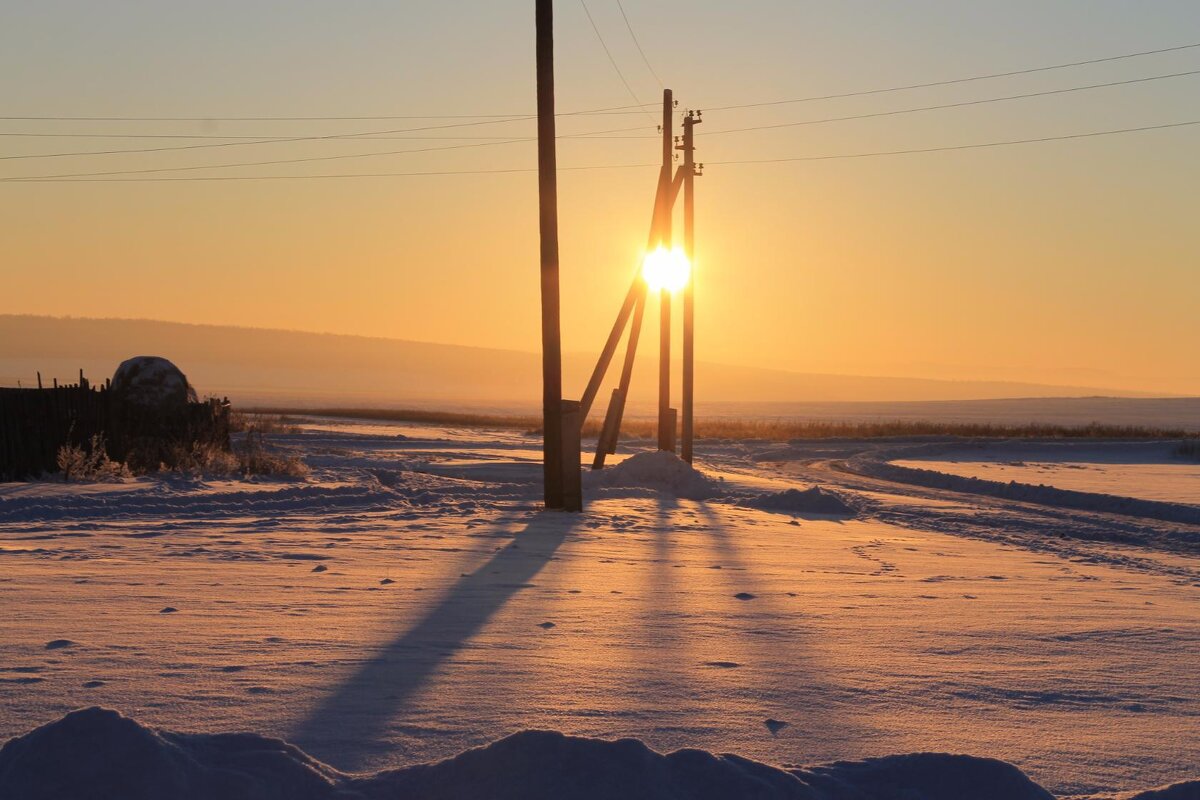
x=347, y=726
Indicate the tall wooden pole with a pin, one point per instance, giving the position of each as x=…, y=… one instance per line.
x=689, y=300
x=552, y=417
x=666, y=423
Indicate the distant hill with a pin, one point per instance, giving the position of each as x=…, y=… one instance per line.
x=252, y=365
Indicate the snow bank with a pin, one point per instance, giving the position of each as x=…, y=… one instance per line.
x=808, y=501
x=659, y=470
x=97, y=753
x=1028, y=493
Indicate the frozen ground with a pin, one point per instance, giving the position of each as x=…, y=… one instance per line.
x=409, y=601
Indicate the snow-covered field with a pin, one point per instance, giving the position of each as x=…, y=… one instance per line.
x=409, y=600
x=1145, y=471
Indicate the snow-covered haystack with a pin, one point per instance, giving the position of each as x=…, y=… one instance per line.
x=814, y=500
x=660, y=471
x=95, y=753
x=152, y=382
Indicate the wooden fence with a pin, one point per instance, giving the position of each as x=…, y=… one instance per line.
x=35, y=423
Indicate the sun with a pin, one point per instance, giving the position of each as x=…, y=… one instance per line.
x=665, y=269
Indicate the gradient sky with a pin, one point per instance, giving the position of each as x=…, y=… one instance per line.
x=1073, y=262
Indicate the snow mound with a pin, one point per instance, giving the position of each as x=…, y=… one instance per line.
x=98, y=753
x=808, y=501
x=661, y=471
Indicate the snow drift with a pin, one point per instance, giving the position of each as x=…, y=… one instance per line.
x=98, y=753
x=814, y=500
x=660, y=471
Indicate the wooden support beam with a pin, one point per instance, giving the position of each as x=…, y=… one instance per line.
x=611, y=432
x=572, y=478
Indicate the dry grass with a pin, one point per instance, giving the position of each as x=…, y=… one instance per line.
x=1189, y=449
x=778, y=430
x=251, y=456
x=78, y=464
x=244, y=421
x=255, y=457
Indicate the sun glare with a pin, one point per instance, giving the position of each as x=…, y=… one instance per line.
x=666, y=269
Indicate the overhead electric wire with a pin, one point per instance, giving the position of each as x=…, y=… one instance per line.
x=367, y=136
x=361, y=137
x=501, y=117
x=948, y=148
x=342, y=175
x=950, y=82
x=638, y=44
x=273, y=162
x=612, y=60
x=835, y=157
x=626, y=109
x=959, y=104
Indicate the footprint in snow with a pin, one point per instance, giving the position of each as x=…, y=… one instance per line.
x=59, y=644
x=745, y=596
x=775, y=726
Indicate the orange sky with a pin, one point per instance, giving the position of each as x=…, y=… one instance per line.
x=1064, y=262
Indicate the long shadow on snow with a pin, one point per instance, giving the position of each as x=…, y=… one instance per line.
x=347, y=726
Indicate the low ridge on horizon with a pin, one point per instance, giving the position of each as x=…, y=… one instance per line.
x=56, y=344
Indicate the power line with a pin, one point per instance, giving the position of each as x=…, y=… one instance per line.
x=272, y=162
x=639, y=108
x=638, y=44
x=954, y=105
x=370, y=135
x=366, y=136
x=843, y=156
x=612, y=60
x=949, y=148
x=500, y=117
x=304, y=177
x=363, y=137
x=958, y=80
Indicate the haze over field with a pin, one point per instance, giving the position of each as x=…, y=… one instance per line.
x=275, y=366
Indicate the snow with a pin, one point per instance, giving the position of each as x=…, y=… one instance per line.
x=1146, y=472
x=813, y=500
x=1058, y=640
x=98, y=753
x=660, y=471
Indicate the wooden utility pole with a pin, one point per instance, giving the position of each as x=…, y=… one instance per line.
x=552, y=416
x=689, y=301
x=666, y=419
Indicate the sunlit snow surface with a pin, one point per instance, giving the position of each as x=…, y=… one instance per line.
x=450, y=611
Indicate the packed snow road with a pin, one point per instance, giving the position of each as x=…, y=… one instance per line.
x=409, y=600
